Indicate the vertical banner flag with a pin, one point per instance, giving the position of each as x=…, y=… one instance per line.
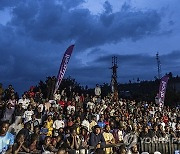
x=162, y=89
x=63, y=66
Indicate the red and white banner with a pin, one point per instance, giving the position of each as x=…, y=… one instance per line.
x=63, y=66
x=162, y=89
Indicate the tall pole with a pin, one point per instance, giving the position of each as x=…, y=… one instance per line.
x=158, y=65
x=114, y=78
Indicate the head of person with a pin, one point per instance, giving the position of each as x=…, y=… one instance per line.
x=97, y=129
x=134, y=149
x=29, y=107
x=146, y=130
x=84, y=130
x=51, y=109
x=49, y=117
x=20, y=138
x=60, y=117
x=73, y=132
x=47, y=140
x=27, y=125
x=107, y=128
x=24, y=96
x=4, y=126
x=122, y=149
x=61, y=130
x=36, y=130
x=61, y=151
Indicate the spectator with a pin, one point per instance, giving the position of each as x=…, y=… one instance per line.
x=20, y=145
x=109, y=138
x=47, y=146
x=73, y=140
x=6, y=138
x=8, y=113
x=28, y=114
x=26, y=131
x=24, y=101
x=59, y=123
x=96, y=138
x=49, y=125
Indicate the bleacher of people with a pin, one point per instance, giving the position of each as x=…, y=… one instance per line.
x=81, y=123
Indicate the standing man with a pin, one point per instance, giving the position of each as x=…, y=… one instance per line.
x=98, y=93
x=98, y=90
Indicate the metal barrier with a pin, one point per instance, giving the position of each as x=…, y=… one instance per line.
x=163, y=148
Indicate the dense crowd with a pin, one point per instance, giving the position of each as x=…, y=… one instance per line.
x=79, y=123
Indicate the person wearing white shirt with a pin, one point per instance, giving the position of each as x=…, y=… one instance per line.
x=97, y=90
x=28, y=114
x=58, y=124
x=24, y=101
x=57, y=96
x=173, y=125
x=90, y=105
x=85, y=123
x=71, y=108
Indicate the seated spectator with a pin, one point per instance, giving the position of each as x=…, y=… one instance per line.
x=108, y=136
x=101, y=122
x=70, y=122
x=122, y=149
x=34, y=145
x=43, y=132
x=24, y=101
x=28, y=114
x=60, y=141
x=92, y=123
x=19, y=111
x=34, y=122
x=84, y=139
x=59, y=123
x=96, y=138
x=47, y=146
x=73, y=140
x=26, y=132
x=85, y=123
x=8, y=113
x=20, y=145
x=6, y=138
x=134, y=149
x=49, y=125
x=145, y=133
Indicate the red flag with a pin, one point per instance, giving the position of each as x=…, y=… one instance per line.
x=63, y=66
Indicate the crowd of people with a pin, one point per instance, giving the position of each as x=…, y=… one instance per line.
x=81, y=123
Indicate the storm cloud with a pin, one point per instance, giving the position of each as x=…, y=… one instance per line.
x=33, y=41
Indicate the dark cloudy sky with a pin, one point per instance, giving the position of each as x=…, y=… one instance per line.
x=35, y=33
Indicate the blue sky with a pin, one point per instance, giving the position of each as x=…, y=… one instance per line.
x=34, y=35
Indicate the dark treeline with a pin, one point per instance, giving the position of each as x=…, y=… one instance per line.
x=139, y=90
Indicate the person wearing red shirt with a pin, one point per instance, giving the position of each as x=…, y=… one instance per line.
x=62, y=103
x=165, y=119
